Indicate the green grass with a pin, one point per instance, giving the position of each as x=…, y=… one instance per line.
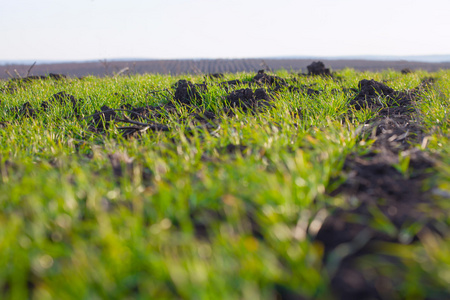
x=71, y=229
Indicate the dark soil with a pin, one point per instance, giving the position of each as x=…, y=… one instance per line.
x=318, y=68
x=188, y=93
x=262, y=78
x=134, y=121
x=378, y=96
x=64, y=98
x=103, y=118
x=26, y=110
x=375, y=188
x=149, y=112
x=247, y=99
x=406, y=71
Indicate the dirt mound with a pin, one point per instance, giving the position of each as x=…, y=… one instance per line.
x=134, y=121
x=384, y=194
x=318, y=68
x=247, y=99
x=406, y=71
x=188, y=93
x=140, y=113
x=262, y=78
x=376, y=95
x=204, y=117
x=27, y=110
x=385, y=100
x=64, y=98
x=103, y=117
x=383, y=185
x=372, y=88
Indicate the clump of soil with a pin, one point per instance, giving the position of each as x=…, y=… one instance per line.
x=385, y=100
x=406, y=71
x=381, y=190
x=140, y=113
x=139, y=120
x=377, y=95
x=247, y=99
x=311, y=92
x=262, y=78
x=64, y=98
x=27, y=110
x=204, y=117
x=378, y=190
x=188, y=93
x=61, y=98
x=372, y=88
x=318, y=68
x=103, y=117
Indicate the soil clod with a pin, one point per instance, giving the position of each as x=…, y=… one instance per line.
x=406, y=71
x=188, y=93
x=381, y=188
x=103, y=117
x=318, y=68
x=376, y=95
x=247, y=99
x=262, y=78
x=64, y=98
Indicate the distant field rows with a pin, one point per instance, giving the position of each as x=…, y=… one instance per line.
x=176, y=67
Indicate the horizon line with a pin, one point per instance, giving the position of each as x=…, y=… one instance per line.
x=426, y=58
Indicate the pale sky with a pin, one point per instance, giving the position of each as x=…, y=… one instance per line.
x=75, y=30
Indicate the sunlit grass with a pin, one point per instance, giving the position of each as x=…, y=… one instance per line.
x=187, y=219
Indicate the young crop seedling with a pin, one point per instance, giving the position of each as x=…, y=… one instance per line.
x=262, y=185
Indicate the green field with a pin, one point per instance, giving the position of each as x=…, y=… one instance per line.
x=215, y=198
